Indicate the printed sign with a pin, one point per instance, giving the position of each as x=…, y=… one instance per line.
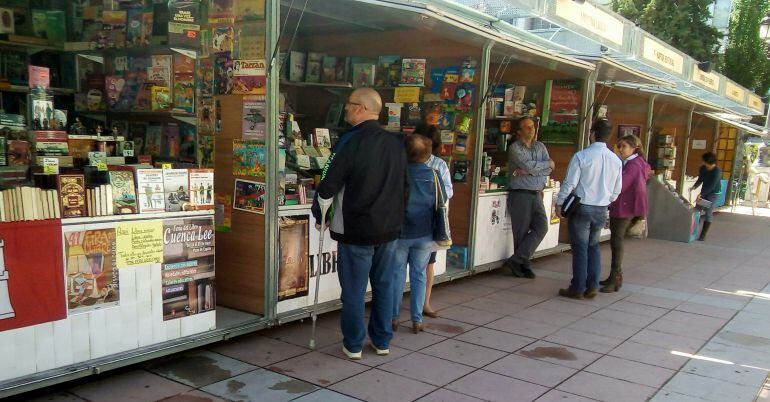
x=92, y=275
x=139, y=243
x=50, y=166
x=707, y=80
x=662, y=55
x=188, y=267
x=293, y=275
x=591, y=18
x=735, y=92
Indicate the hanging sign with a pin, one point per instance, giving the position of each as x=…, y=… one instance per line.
x=735, y=92
x=662, y=55
x=755, y=102
x=707, y=80
x=591, y=18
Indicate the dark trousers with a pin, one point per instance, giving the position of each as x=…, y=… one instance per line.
x=618, y=229
x=528, y=222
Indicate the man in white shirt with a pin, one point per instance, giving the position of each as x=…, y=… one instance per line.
x=594, y=175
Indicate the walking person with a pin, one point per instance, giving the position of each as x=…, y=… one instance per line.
x=416, y=242
x=529, y=166
x=366, y=179
x=710, y=176
x=439, y=165
x=593, y=175
x=629, y=208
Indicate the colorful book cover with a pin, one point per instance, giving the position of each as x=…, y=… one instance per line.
x=249, y=196
x=39, y=77
x=249, y=10
x=129, y=95
x=149, y=186
x=363, y=75
x=206, y=77
x=18, y=153
x=182, y=64
x=329, y=69
x=72, y=193
x=184, y=23
x=134, y=28
x=206, y=114
x=221, y=12
x=139, y=63
x=313, y=67
x=147, y=22
x=249, y=77
x=144, y=97
x=248, y=158
x=223, y=68
x=250, y=41
x=42, y=114
x=254, y=118
x=297, y=62
x=113, y=32
x=161, y=99
x=176, y=190
x=223, y=39
x=123, y=194
x=160, y=70
x=113, y=84
x=206, y=151
x=153, y=142
x=384, y=65
x=138, y=135
x=187, y=134
x=184, y=92
x=202, y=188
x=413, y=72
x=171, y=140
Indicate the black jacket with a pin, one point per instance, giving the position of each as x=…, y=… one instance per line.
x=367, y=176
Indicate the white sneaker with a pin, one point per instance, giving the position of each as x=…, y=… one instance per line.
x=351, y=355
x=380, y=352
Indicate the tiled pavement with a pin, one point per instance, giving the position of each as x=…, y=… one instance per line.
x=691, y=323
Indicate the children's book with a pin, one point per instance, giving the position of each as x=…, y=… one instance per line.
x=161, y=99
x=222, y=39
x=160, y=70
x=123, y=194
x=413, y=72
x=249, y=77
x=384, y=66
x=184, y=92
x=363, y=74
x=328, y=69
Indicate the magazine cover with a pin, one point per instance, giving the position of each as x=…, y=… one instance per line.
x=206, y=114
x=92, y=277
x=413, y=72
x=184, y=23
x=206, y=151
x=249, y=196
x=254, y=118
x=206, y=77
x=223, y=74
x=293, y=278
x=249, y=77
x=248, y=158
x=184, y=92
x=222, y=39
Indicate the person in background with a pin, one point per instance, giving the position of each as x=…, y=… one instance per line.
x=710, y=176
x=366, y=181
x=630, y=206
x=416, y=241
x=434, y=134
x=529, y=166
x=594, y=175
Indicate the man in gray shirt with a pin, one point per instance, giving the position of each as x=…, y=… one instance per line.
x=529, y=166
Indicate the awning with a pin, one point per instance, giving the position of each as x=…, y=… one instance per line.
x=610, y=70
x=670, y=95
x=740, y=125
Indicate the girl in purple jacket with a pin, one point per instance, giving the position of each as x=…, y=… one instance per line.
x=630, y=207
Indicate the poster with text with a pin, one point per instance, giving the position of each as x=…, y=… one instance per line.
x=188, y=267
x=293, y=247
x=249, y=196
x=248, y=158
x=92, y=275
x=31, y=274
x=254, y=118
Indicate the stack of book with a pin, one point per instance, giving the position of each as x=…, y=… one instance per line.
x=28, y=204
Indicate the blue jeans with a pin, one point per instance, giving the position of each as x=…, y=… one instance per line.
x=417, y=253
x=585, y=228
x=359, y=265
x=710, y=210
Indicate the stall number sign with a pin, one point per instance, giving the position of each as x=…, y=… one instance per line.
x=755, y=102
x=699, y=144
x=591, y=18
x=50, y=166
x=663, y=56
x=735, y=92
x=707, y=80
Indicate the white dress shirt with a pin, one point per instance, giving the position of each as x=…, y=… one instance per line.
x=594, y=174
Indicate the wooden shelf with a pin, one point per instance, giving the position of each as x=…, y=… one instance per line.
x=338, y=85
x=23, y=89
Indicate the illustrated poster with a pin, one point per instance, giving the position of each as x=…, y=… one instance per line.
x=293, y=272
x=254, y=118
x=92, y=275
x=249, y=196
x=248, y=158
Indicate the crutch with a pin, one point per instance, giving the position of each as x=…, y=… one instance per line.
x=324, y=204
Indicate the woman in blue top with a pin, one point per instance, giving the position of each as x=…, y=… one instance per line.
x=416, y=242
x=710, y=176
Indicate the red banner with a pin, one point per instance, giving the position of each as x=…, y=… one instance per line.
x=31, y=274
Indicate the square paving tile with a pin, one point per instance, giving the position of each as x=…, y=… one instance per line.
x=734, y=373
x=622, y=317
x=670, y=341
x=523, y=327
x=670, y=396
x=495, y=339
x=496, y=306
x=299, y=334
x=604, y=328
x=653, y=355
x=259, y=350
x=704, y=309
x=516, y=296
x=57, y=397
x=535, y=371
x=199, y=368
x=446, y=327
x=558, y=354
x=137, y=385
x=640, y=309
x=710, y=389
x=683, y=328
x=563, y=306
x=378, y=385
x=606, y=389
x=583, y=340
x=449, y=297
x=445, y=395
x=325, y=395
x=464, y=353
x=495, y=387
x=194, y=396
x=260, y=385
x=555, y=395
x=429, y=369
x=654, y=301
x=639, y=373
x=408, y=340
x=319, y=368
x=473, y=289
x=547, y=316
x=369, y=357
x=469, y=315
x=700, y=320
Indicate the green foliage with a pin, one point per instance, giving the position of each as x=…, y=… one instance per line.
x=745, y=60
x=630, y=9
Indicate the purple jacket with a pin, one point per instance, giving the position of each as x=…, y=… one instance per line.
x=632, y=200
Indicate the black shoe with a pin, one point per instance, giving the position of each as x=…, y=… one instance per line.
x=528, y=273
x=514, y=268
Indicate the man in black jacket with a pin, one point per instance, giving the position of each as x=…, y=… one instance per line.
x=366, y=178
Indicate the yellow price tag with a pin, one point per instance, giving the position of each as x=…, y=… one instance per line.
x=101, y=166
x=167, y=166
x=50, y=166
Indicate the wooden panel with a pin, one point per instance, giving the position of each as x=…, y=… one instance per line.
x=703, y=128
x=240, y=256
x=670, y=119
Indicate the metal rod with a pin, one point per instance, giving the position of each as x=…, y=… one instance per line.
x=324, y=204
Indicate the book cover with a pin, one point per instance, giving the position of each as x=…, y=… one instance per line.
x=182, y=64
x=72, y=193
x=147, y=23
x=187, y=133
x=206, y=114
x=384, y=66
x=363, y=74
x=171, y=140
x=160, y=70
x=149, y=186
x=221, y=12
x=322, y=138
x=176, y=190
x=202, y=189
x=184, y=23
x=223, y=69
x=249, y=10
x=328, y=69
x=250, y=40
x=297, y=62
x=249, y=196
x=184, y=92
x=39, y=77
x=138, y=135
x=123, y=193
x=249, y=77
x=313, y=67
x=6, y=21
x=413, y=72
x=152, y=144
x=223, y=39
x=143, y=101
x=205, y=151
x=42, y=114
x=342, y=70
x=254, y=118
x=128, y=99
x=134, y=25
x=206, y=77
x=3, y=151
x=248, y=158
x=18, y=153
x=113, y=85
x=161, y=99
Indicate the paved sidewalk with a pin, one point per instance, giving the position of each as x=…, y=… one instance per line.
x=691, y=323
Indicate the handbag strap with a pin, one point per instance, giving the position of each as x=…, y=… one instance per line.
x=436, y=191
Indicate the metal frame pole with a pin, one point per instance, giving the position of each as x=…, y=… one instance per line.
x=650, y=112
x=587, y=109
x=687, y=135
x=272, y=21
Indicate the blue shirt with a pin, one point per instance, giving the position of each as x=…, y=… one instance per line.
x=595, y=175
x=534, y=160
x=418, y=219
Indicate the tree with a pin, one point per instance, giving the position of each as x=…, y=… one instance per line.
x=745, y=60
x=682, y=24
